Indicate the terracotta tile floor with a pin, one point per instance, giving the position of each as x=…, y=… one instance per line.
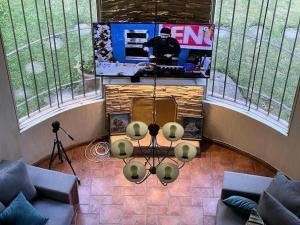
x=106, y=197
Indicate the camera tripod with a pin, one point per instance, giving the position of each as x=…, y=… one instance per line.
x=61, y=153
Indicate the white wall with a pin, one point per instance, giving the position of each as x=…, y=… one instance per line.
x=249, y=135
x=9, y=139
x=83, y=123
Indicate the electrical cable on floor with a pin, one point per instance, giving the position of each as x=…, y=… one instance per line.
x=97, y=151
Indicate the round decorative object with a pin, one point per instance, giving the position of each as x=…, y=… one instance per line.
x=185, y=152
x=134, y=171
x=173, y=131
x=97, y=151
x=122, y=148
x=167, y=172
x=137, y=130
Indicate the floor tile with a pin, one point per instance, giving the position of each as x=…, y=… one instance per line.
x=111, y=214
x=134, y=205
x=210, y=206
x=209, y=220
x=191, y=215
x=87, y=219
x=106, y=197
x=134, y=220
x=169, y=220
x=157, y=196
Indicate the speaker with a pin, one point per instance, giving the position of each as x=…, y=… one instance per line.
x=135, y=79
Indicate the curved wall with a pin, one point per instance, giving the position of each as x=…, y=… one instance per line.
x=249, y=135
x=84, y=123
x=9, y=142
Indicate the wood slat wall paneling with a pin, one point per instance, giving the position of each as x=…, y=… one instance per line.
x=175, y=11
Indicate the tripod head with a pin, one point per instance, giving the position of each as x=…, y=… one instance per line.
x=55, y=128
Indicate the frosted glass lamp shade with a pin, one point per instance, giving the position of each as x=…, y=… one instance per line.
x=167, y=172
x=134, y=171
x=122, y=148
x=173, y=131
x=137, y=130
x=185, y=152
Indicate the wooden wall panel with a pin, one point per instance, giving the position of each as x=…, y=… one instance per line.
x=175, y=11
x=188, y=98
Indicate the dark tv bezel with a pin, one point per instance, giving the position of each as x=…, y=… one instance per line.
x=126, y=76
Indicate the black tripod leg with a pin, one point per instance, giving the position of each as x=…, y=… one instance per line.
x=68, y=160
x=52, y=156
x=59, y=152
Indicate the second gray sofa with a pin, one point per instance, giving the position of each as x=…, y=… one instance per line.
x=249, y=186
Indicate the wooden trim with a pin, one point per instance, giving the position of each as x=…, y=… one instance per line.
x=235, y=149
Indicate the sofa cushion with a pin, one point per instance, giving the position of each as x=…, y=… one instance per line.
x=227, y=216
x=240, y=204
x=52, y=184
x=287, y=192
x=21, y=212
x=274, y=213
x=57, y=212
x=5, y=163
x=254, y=218
x=249, y=186
x=13, y=180
x=2, y=207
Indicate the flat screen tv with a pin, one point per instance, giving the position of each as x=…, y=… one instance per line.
x=145, y=50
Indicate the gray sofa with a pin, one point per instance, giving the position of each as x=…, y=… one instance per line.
x=245, y=185
x=57, y=194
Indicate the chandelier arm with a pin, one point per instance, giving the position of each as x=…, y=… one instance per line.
x=145, y=178
x=142, y=150
x=182, y=165
x=131, y=159
x=175, y=161
x=128, y=160
x=157, y=150
x=167, y=154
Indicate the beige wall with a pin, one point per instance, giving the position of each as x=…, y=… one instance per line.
x=84, y=123
x=9, y=140
x=249, y=135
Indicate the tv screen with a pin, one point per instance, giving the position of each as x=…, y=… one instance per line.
x=145, y=50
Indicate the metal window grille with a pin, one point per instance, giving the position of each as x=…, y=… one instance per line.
x=256, y=55
x=49, y=52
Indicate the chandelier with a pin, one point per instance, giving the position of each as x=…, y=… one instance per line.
x=138, y=172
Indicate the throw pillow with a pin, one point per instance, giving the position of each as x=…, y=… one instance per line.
x=274, y=213
x=254, y=218
x=287, y=192
x=240, y=204
x=15, y=179
x=21, y=212
x=2, y=207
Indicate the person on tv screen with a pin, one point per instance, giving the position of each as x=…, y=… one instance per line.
x=165, y=48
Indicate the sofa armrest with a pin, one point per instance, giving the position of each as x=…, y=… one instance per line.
x=54, y=185
x=249, y=186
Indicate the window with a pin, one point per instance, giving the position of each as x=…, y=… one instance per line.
x=256, y=56
x=48, y=46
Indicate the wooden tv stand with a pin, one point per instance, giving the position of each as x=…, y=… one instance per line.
x=161, y=140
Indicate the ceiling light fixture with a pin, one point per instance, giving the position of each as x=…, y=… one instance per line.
x=167, y=172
